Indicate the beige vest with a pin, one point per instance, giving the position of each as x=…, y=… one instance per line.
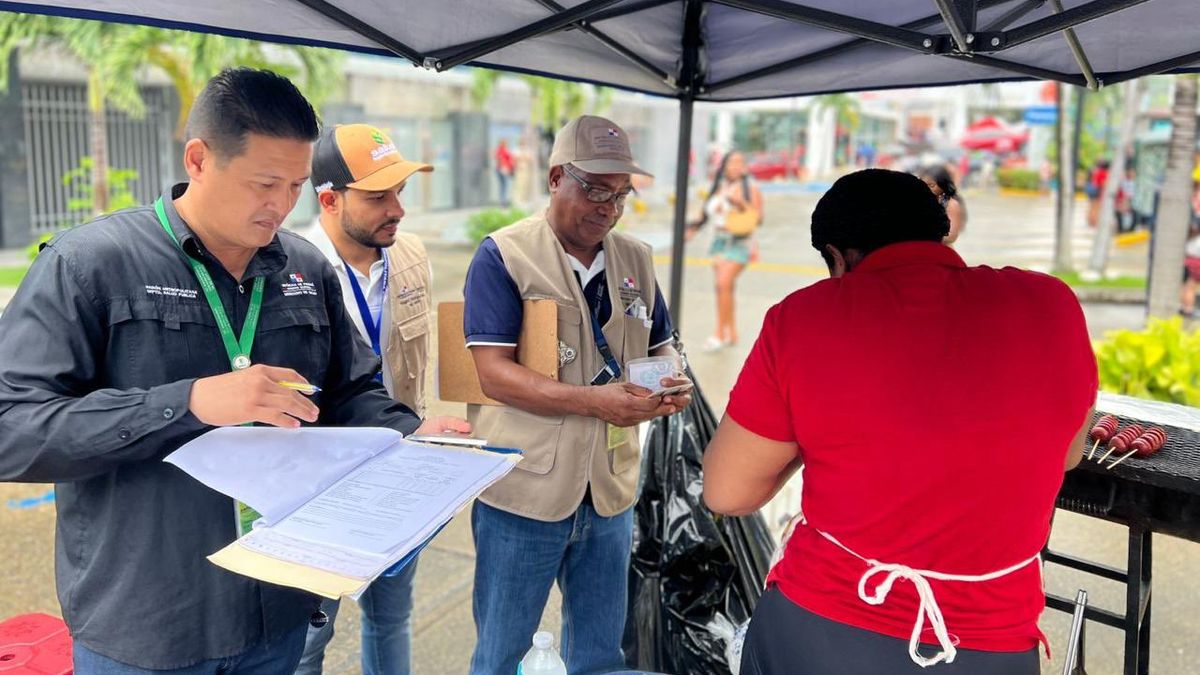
x=408, y=303
x=564, y=454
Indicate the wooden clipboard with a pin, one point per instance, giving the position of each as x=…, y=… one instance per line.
x=537, y=349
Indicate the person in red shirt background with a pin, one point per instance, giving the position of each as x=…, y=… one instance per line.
x=505, y=168
x=934, y=408
x=1094, y=188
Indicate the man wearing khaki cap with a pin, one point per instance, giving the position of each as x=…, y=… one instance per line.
x=359, y=176
x=564, y=513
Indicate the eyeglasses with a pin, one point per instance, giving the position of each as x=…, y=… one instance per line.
x=598, y=195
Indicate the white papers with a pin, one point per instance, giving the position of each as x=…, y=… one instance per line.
x=392, y=498
x=334, y=559
x=340, y=506
x=277, y=470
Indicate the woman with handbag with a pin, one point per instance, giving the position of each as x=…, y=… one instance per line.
x=734, y=206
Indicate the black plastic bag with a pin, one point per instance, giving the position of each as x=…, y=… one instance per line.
x=695, y=576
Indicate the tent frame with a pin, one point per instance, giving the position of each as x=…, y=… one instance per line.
x=962, y=38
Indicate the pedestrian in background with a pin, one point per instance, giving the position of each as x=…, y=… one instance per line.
x=734, y=208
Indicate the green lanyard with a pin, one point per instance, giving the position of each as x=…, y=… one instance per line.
x=238, y=349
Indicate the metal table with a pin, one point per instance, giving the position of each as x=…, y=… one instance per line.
x=1157, y=494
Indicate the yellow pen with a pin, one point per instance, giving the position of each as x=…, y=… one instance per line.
x=300, y=387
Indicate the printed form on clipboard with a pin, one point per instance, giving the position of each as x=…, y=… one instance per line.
x=340, y=506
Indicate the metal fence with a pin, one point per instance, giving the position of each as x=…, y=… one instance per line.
x=57, y=137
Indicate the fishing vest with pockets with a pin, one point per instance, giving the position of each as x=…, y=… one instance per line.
x=565, y=454
x=407, y=356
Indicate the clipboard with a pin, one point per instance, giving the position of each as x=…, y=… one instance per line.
x=537, y=349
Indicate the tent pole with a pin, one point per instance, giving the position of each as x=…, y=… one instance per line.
x=1085, y=67
x=686, y=104
x=691, y=83
x=956, y=23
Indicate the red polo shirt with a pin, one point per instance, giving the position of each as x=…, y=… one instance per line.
x=933, y=404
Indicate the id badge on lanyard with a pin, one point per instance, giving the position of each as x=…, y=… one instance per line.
x=237, y=348
x=611, y=370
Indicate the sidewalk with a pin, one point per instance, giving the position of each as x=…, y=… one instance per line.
x=11, y=257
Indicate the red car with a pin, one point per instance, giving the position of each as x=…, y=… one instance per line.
x=767, y=166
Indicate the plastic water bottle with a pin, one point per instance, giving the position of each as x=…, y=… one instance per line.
x=543, y=658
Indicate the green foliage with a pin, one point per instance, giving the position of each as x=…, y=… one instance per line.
x=12, y=276
x=845, y=107
x=1073, y=279
x=1101, y=119
x=116, y=54
x=33, y=249
x=81, y=197
x=1161, y=362
x=95, y=44
x=768, y=130
x=1019, y=179
x=554, y=101
x=482, y=223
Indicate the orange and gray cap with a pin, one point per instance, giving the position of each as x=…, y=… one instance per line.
x=361, y=157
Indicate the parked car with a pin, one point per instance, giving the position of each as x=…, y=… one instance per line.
x=777, y=165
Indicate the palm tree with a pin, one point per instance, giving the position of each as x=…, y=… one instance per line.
x=1116, y=176
x=846, y=109
x=190, y=60
x=1174, y=211
x=1064, y=260
x=114, y=55
x=91, y=43
x=553, y=102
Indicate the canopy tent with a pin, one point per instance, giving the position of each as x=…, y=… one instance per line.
x=994, y=135
x=714, y=50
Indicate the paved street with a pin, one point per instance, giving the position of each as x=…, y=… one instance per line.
x=1010, y=230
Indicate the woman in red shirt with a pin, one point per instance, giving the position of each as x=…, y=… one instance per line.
x=934, y=407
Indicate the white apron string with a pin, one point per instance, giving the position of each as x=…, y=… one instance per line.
x=929, y=608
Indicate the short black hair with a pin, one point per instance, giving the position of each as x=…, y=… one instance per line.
x=242, y=101
x=873, y=208
x=941, y=176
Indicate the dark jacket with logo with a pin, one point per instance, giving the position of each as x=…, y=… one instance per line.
x=98, y=352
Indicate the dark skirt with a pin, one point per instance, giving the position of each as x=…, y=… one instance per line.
x=785, y=638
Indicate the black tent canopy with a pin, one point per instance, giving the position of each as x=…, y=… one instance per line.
x=715, y=50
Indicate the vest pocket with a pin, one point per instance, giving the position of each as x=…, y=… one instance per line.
x=413, y=347
x=626, y=455
x=570, y=333
x=637, y=338
x=536, y=435
x=413, y=327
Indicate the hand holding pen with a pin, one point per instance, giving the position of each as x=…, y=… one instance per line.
x=255, y=394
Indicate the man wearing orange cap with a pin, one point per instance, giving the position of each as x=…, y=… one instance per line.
x=359, y=176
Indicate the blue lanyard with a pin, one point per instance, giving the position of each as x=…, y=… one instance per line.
x=612, y=369
x=370, y=323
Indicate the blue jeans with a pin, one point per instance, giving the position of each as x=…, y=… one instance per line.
x=518, y=559
x=274, y=658
x=386, y=628
x=503, y=179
